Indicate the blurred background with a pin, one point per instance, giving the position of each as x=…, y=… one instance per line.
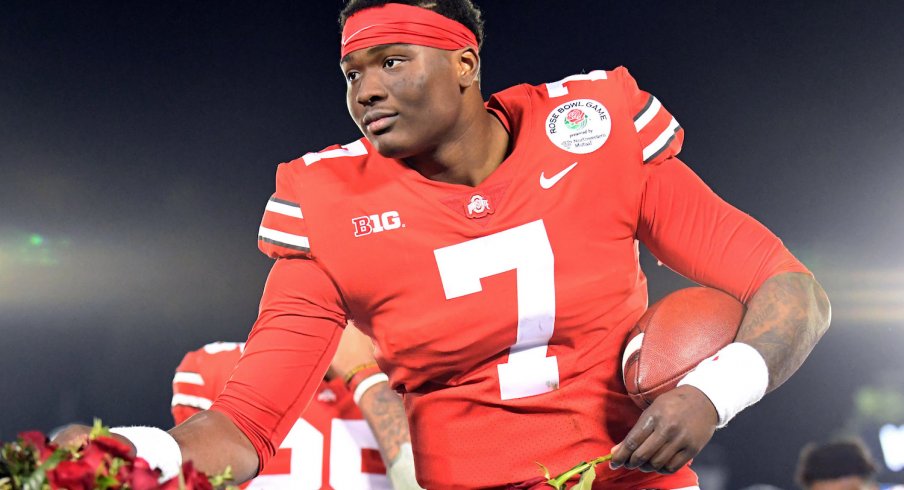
x=138, y=143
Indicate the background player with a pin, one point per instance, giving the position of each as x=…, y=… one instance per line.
x=331, y=445
x=531, y=358
x=838, y=465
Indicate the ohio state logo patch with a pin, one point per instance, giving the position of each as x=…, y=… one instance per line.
x=579, y=126
x=478, y=206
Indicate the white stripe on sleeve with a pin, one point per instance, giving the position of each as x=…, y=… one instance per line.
x=280, y=237
x=190, y=378
x=648, y=115
x=191, y=401
x=286, y=209
x=661, y=141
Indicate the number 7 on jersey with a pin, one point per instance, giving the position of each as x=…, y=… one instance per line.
x=526, y=250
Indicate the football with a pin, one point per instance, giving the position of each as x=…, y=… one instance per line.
x=673, y=336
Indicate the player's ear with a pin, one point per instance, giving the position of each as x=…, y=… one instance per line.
x=467, y=64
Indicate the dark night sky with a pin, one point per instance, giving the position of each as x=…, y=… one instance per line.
x=138, y=142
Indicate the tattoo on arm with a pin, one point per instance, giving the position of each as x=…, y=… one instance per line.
x=385, y=414
x=784, y=320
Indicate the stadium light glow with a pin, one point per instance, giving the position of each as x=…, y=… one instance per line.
x=865, y=295
x=891, y=439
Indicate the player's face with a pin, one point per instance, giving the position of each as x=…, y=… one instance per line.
x=404, y=98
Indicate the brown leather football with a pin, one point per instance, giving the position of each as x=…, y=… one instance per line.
x=673, y=336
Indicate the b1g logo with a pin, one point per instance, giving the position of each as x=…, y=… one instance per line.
x=375, y=223
x=579, y=126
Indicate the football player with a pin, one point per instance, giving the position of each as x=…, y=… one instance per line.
x=490, y=248
x=837, y=465
x=331, y=446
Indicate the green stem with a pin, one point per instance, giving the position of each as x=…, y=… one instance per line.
x=564, y=477
x=601, y=459
x=559, y=481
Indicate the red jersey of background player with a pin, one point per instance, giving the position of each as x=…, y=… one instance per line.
x=330, y=447
x=499, y=310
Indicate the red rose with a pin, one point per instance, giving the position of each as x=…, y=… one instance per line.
x=71, y=475
x=113, y=447
x=139, y=475
x=95, y=457
x=575, y=116
x=194, y=479
x=38, y=441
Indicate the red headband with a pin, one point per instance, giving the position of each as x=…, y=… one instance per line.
x=395, y=23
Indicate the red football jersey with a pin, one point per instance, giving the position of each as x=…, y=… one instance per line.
x=330, y=447
x=500, y=310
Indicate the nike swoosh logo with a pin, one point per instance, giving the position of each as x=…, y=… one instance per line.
x=547, y=183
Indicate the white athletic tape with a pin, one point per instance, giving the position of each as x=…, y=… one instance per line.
x=733, y=379
x=155, y=446
x=401, y=470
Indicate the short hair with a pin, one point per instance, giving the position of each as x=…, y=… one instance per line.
x=838, y=459
x=462, y=11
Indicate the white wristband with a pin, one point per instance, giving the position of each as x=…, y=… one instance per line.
x=155, y=446
x=368, y=383
x=733, y=379
x=401, y=470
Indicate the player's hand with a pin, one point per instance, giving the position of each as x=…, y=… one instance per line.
x=355, y=349
x=75, y=436
x=669, y=433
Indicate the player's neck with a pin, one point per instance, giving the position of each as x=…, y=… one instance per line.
x=469, y=155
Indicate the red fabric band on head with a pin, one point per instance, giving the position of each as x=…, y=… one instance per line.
x=395, y=23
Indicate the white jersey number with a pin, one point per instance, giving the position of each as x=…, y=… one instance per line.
x=347, y=439
x=526, y=250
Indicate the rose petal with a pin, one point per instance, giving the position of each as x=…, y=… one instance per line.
x=94, y=457
x=194, y=479
x=38, y=441
x=72, y=475
x=114, y=447
x=141, y=476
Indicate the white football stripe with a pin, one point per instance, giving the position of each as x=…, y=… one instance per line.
x=661, y=141
x=353, y=149
x=282, y=237
x=632, y=347
x=191, y=401
x=648, y=115
x=190, y=378
x=217, y=347
x=286, y=209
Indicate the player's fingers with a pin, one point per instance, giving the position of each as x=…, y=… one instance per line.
x=622, y=451
x=641, y=457
x=680, y=459
x=660, y=461
x=665, y=440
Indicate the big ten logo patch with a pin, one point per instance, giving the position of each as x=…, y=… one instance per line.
x=376, y=223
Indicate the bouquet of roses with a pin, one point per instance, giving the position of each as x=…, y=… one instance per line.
x=33, y=463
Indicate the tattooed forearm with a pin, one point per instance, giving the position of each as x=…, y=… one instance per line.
x=383, y=410
x=784, y=320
